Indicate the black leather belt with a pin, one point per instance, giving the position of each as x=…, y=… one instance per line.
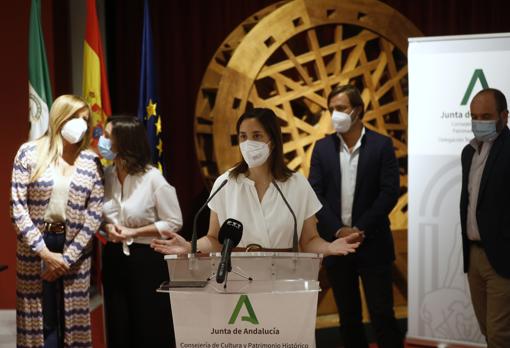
x=259, y=248
x=55, y=227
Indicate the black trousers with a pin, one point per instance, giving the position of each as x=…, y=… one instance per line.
x=136, y=315
x=377, y=285
x=53, y=298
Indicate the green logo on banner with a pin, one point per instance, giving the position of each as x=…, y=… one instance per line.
x=477, y=75
x=252, y=318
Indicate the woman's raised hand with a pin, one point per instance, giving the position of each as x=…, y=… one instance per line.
x=175, y=244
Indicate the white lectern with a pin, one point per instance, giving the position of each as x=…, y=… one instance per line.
x=270, y=300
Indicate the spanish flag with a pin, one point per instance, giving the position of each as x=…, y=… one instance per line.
x=95, y=90
x=95, y=83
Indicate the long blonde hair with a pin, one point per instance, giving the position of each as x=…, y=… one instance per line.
x=50, y=146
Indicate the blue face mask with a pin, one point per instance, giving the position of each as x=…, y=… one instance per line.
x=105, y=148
x=484, y=130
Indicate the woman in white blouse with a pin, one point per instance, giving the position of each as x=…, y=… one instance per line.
x=251, y=197
x=139, y=205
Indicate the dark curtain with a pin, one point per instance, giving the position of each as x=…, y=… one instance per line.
x=186, y=34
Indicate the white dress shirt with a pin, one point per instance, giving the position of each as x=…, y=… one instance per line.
x=474, y=180
x=348, y=171
x=142, y=200
x=269, y=222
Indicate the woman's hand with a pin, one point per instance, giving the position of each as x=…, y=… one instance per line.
x=175, y=244
x=126, y=232
x=54, y=264
x=344, y=245
x=114, y=235
x=50, y=276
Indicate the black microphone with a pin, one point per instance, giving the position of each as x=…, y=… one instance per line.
x=229, y=235
x=295, y=242
x=195, y=218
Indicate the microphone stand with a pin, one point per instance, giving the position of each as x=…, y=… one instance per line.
x=195, y=218
x=192, y=256
x=295, y=243
x=229, y=269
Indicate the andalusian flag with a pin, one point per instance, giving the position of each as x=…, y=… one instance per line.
x=39, y=86
x=148, y=111
x=95, y=83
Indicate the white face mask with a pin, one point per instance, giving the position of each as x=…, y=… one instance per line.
x=255, y=153
x=74, y=130
x=485, y=130
x=341, y=121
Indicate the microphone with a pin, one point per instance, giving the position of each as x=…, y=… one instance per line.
x=295, y=243
x=195, y=218
x=229, y=235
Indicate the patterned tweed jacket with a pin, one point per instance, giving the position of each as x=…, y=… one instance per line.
x=29, y=201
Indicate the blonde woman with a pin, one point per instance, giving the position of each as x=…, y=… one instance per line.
x=56, y=205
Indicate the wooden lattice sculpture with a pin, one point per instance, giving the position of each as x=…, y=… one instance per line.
x=288, y=57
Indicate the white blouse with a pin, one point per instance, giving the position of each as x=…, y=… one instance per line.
x=268, y=223
x=144, y=199
x=56, y=211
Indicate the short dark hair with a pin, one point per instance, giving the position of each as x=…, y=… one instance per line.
x=267, y=118
x=499, y=98
x=352, y=94
x=131, y=143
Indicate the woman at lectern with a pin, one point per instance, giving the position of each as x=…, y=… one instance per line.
x=250, y=196
x=56, y=202
x=139, y=205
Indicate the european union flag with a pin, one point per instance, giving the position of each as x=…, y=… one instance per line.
x=148, y=110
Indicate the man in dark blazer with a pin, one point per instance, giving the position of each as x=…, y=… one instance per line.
x=485, y=215
x=355, y=174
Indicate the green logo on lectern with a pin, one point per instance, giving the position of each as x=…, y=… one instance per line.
x=478, y=75
x=251, y=317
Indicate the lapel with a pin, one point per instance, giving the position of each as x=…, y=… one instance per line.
x=491, y=160
x=466, y=167
x=73, y=186
x=337, y=175
x=363, y=161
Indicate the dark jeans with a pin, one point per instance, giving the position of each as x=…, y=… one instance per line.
x=53, y=299
x=377, y=285
x=136, y=315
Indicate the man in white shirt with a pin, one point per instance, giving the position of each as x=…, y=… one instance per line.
x=355, y=174
x=485, y=221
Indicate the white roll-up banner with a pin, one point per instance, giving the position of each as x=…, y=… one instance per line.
x=444, y=75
